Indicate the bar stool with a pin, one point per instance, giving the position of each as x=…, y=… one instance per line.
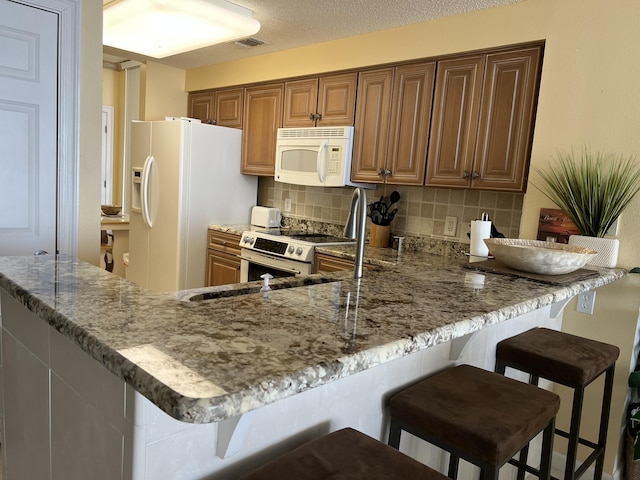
x=571, y=361
x=344, y=454
x=477, y=415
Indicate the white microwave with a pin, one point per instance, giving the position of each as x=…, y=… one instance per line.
x=316, y=156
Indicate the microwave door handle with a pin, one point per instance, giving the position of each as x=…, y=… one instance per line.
x=321, y=161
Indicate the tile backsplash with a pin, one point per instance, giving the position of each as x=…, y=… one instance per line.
x=421, y=210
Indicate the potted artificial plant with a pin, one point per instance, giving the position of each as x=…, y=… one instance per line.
x=592, y=189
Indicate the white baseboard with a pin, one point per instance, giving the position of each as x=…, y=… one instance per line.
x=557, y=469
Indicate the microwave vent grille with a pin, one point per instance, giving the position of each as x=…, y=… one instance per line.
x=316, y=132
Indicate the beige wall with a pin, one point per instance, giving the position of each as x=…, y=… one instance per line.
x=163, y=92
x=90, y=139
x=589, y=95
x=113, y=92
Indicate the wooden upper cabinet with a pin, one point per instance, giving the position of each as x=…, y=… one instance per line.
x=410, y=118
x=454, y=122
x=371, y=137
x=262, y=118
x=482, y=123
x=323, y=102
x=300, y=103
x=505, y=130
x=218, y=107
x=201, y=106
x=228, y=105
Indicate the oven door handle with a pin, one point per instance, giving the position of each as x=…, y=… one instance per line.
x=279, y=267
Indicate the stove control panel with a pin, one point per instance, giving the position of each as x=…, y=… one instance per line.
x=279, y=246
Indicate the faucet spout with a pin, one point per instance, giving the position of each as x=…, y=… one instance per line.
x=355, y=227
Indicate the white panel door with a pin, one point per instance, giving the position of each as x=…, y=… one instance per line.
x=28, y=129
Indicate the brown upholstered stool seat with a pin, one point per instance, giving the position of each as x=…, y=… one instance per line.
x=572, y=361
x=558, y=356
x=344, y=455
x=476, y=415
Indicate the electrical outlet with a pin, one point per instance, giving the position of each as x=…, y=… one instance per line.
x=586, y=302
x=450, y=224
x=287, y=204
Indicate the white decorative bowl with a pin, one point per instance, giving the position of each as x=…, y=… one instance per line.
x=535, y=256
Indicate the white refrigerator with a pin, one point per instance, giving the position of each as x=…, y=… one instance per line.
x=185, y=176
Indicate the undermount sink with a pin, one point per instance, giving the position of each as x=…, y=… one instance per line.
x=237, y=289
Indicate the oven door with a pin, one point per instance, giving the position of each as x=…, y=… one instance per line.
x=253, y=264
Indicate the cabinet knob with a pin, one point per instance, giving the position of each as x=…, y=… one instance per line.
x=465, y=174
x=387, y=171
x=475, y=175
x=380, y=171
x=318, y=116
x=312, y=116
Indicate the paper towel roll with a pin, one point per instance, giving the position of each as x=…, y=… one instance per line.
x=479, y=231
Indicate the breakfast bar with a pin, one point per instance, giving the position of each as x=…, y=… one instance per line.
x=132, y=384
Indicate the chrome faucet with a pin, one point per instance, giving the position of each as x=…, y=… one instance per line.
x=355, y=228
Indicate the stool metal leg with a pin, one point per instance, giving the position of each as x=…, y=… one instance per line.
x=574, y=433
x=394, y=434
x=547, y=450
x=454, y=462
x=604, y=422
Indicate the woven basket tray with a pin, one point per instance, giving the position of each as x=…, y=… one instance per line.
x=632, y=468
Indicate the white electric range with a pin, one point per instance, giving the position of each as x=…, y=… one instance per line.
x=281, y=252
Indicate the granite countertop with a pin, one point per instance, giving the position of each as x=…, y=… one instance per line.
x=211, y=360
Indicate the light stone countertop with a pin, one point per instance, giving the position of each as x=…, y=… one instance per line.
x=211, y=360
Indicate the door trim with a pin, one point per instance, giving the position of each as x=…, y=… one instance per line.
x=68, y=12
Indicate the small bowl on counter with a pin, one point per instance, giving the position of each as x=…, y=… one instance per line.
x=111, y=210
x=535, y=256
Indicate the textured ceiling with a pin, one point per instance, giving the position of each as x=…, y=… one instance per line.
x=293, y=23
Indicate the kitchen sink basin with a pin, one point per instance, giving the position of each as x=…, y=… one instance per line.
x=212, y=293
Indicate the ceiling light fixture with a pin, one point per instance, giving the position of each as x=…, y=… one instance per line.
x=160, y=28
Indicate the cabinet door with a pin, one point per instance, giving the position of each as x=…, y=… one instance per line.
x=506, y=120
x=337, y=100
x=222, y=268
x=454, y=122
x=410, y=118
x=328, y=263
x=262, y=118
x=371, y=136
x=228, y=107
x=201, y=106
x=300, y=103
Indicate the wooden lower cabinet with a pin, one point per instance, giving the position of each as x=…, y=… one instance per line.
x=223, y=258
x=329, y=263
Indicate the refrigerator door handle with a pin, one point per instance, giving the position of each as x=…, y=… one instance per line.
x=146, y=172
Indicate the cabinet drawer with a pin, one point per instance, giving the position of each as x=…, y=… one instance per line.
x=224, y=242
x=329, y=263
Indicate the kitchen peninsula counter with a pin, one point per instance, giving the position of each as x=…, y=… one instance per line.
x=215, y=360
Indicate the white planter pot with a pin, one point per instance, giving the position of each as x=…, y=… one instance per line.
x=607, y=249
